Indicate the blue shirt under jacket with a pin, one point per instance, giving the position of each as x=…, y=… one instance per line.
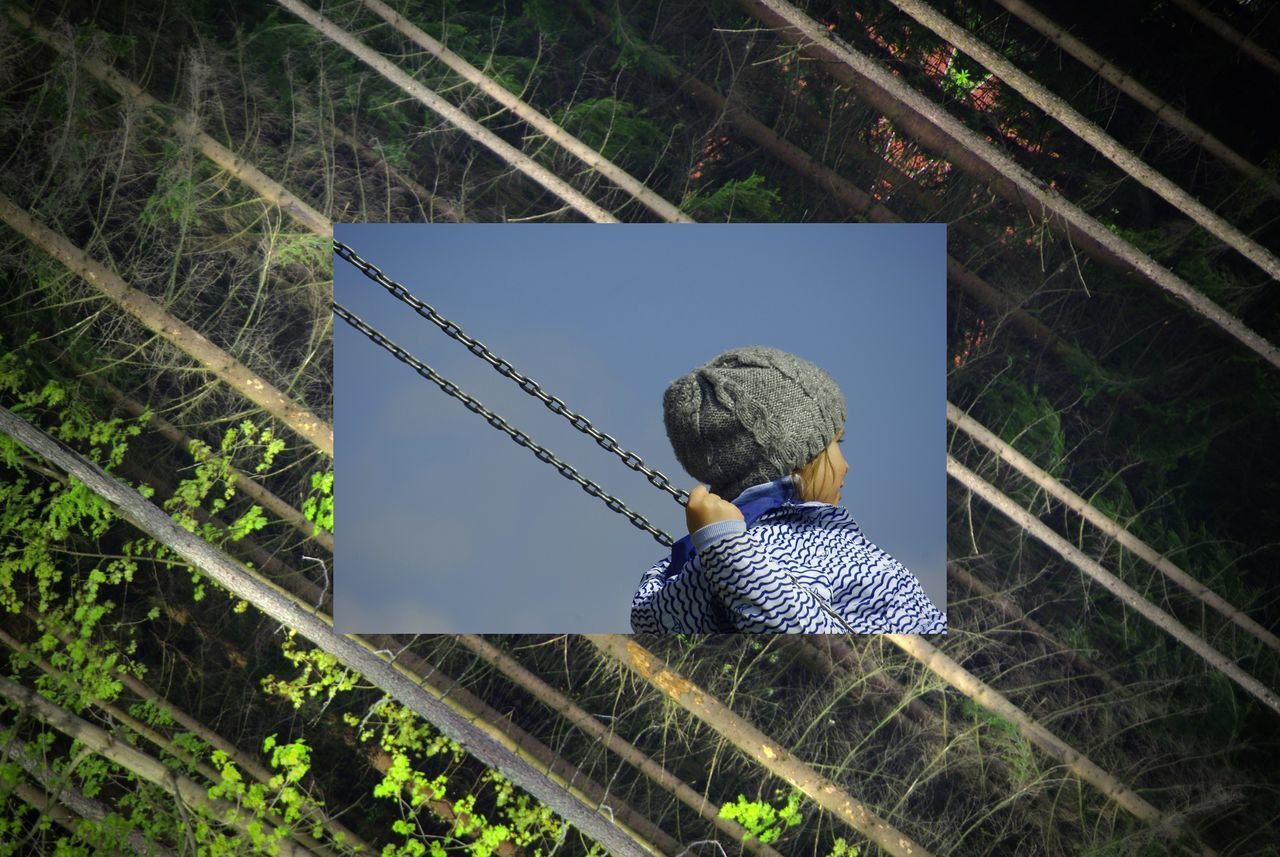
x=773, y=572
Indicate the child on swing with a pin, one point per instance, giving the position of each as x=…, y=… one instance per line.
x=762, y=427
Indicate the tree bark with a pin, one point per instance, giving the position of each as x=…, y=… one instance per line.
x=1111, y=583
x=243, y=761
x=968, y=684
x=243, y=481
x=1009, y=608
x=72, y=803
x=299, y=835
x=578, y=717
x=532, y=117
x=473, y=129
x=512, y=736
x=434, y=201
x=1162, y=109
x=1101, y=141
x=280, y=606
x=853, y=199
x=221, y=364
x=188, y=126
x=936, y=130
x=1086, y=510
x=1255, y=51
x=146, y=767
x=772, y=756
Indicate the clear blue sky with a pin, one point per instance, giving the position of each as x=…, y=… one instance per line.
x=445, y=525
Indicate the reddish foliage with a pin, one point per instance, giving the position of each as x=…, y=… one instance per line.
x=973, y=339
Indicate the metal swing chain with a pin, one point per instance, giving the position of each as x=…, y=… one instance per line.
x=541, y=452
x=554, y=404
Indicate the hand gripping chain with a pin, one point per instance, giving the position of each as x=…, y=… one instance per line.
x=541, y=452
x=530, y=386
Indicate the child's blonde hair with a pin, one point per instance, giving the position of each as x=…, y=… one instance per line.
x=808, y=478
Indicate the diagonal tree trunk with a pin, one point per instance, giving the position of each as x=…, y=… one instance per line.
x=434, y=201
x=935, y=129
x=559, y=769
x=310, y=597
x=243, y=481
x=1101, y=141
x=299, y=835
x=986, y=696
x=188, y=126
x=860, y=204
x=145, y=767
x=1255, y=51
x=755, y=744
x=153, y=316
x=1160, y=108
x=1009, y=608
x=1086, y=510
x=577, y=716
x=69, y=804
x=378, y=760
x=434, y=681
x=280, y=606
x=1111, y=583
x=473, y=129
x=532, y=117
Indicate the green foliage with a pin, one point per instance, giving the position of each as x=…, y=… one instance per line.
x=266, y=812
x=50, y=518
x=1004, y=741
x=617, y=129
x=556, y=18
x=841, y=848
x=762, y=820
x=634, y=53
x=318, y=507
x=42, y=516
x=213, y=481
x=512, y=73
x=172, y=202
x=736, y=201
x=250, y=522
x=1093, y=380
x=1028, y=421
x=958, y=80
x=412, y=745
x=311, y=251
x=516, y=818
x=319, y=675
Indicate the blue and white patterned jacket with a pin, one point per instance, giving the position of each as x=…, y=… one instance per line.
x=744, y=579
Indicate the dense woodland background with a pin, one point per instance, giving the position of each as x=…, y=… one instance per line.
x=197, y=153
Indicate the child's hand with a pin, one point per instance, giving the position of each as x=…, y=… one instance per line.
x=707, y=508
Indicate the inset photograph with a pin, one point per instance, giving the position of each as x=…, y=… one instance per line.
x=658, y=429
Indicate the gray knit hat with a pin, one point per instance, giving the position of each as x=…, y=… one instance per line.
x=751, y=415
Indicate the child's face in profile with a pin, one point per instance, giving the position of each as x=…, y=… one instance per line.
x=824, y=476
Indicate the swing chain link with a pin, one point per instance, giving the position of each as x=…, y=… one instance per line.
x=540, y=452
x=553, y=403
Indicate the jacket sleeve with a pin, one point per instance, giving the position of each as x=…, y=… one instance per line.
x=679, y=602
